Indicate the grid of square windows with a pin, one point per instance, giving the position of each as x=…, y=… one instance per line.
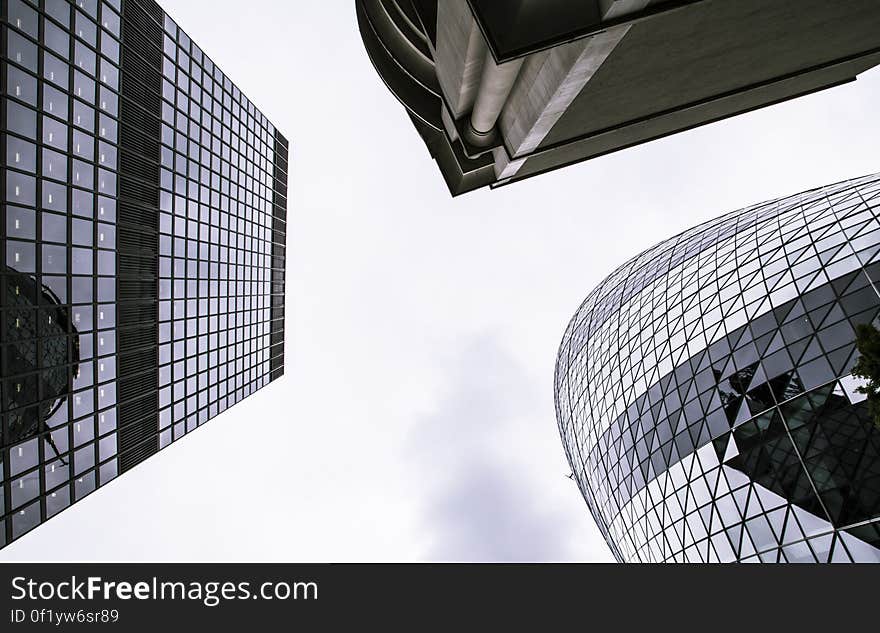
x=60, y=105
x=703, y=391
x=216, y=240
x=220, y=204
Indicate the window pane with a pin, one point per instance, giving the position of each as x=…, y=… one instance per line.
x=106, y=235
x=108, y=101
x=54, y=196
x=54, y=259
x=106, y=182
x=23, y=17
x=20, y=188
x=86, y=30
x=107, y=128
x=89, y=6
x=55, y=70
x=21, y=154
x=54, y=228
x=20, y=222
x=84, y=58
x=82, y=174
x=60, y=10
x=83, y=203
x=109, y=74
x=109, y=47
x=81, y=259
x=83, y=87
x=107, y=154
x=54, y=101
x=54, y=165
x=82, y=232
x=106, y=209
x=54, y=133
x=22, y=51
x=21, y=120
x=83, y=116
x=22, y=85
x=110, y=20
x=57, y=39
x=83, y=145
x=81, y=289
x=58, y=286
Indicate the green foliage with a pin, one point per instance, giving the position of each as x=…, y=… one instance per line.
x=868, y=366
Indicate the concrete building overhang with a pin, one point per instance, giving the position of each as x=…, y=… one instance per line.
x=503, y=91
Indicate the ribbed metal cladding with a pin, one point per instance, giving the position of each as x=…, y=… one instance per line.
x=138, y=232
x=279, y=236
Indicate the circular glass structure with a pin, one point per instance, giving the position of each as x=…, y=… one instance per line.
x=703, y=390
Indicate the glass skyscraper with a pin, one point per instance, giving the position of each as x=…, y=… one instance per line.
x=704, y=392
x=144, y=222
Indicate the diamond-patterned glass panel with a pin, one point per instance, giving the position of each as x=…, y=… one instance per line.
x=704, y=395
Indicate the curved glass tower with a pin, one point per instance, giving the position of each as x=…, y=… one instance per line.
x=703, y=390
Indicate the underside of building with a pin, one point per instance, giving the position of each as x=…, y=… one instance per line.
x=501, y=91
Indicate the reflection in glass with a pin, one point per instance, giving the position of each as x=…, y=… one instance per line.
x=40, y=380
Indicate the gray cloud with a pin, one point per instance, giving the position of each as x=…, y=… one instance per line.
x=481, y=500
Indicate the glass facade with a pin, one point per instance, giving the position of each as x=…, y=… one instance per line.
x=704, y=396
x=143, y=228
x=215, y=240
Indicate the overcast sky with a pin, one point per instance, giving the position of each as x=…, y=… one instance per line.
x=416, y=419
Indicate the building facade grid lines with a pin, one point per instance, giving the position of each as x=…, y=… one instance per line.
x=709, y=377
x=143, y=245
